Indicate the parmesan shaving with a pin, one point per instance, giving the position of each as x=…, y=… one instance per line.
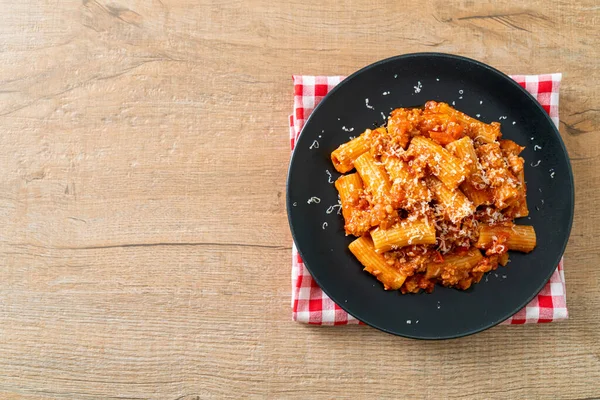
x=334, y=207
x=418, y=87
x=329, y=176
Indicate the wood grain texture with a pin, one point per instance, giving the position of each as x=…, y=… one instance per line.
x=144, y=246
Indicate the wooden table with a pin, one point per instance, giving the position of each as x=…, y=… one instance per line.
x=144, y=245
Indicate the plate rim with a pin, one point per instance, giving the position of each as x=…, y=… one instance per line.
x=512, y=82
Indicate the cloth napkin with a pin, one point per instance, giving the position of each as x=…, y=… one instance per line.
x=311, y=305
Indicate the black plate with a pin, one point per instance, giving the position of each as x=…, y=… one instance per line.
x=411, y=80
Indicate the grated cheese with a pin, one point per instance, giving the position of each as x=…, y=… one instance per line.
x=368, y=105
x=314, y=145
x=418, y=87
x=313, y=200
x=329, y=176
x=347, y=129
x=333, y=208
x=324, y=225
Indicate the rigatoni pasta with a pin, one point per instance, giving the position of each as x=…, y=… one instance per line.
x=403, y=234
x=463, y=261
x=455, y=204
x=463, y=150
x=477, y=196
x=376, y=264
x=354, y=209
x=343, y=157
x=477, y=130
x=444, y=165
x=374, y=176
x=433, y=198
x=498, y=239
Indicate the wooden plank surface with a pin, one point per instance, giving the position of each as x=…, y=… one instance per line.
x=144, y=246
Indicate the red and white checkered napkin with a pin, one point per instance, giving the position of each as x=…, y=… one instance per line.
x=311, y=305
